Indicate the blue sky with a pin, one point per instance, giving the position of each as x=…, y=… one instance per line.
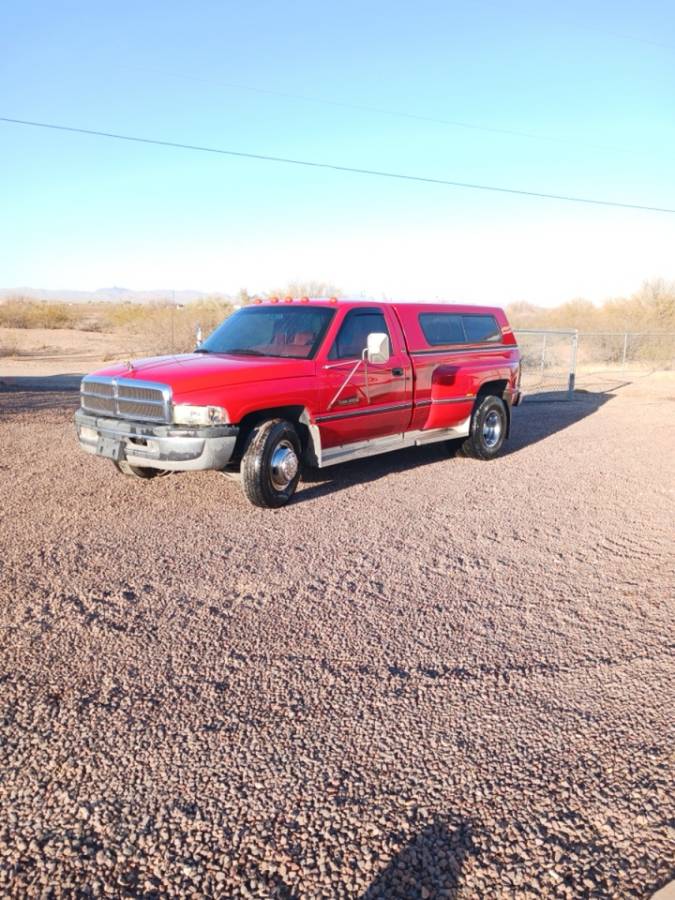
x=390, y=86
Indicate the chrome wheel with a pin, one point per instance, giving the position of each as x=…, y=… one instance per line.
x=271, y=463
x=283, y=465
x=492, y=429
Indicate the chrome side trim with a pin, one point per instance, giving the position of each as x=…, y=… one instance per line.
x=348, y=452
x=368, y=411
x=467, y=398
x=491, y=348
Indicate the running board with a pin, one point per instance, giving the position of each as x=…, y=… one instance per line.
x=347, y=452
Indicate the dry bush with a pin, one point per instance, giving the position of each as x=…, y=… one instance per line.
x=18, y=312
x=298, y=289
x=652, y=308
x=168, y=327
x=7, y=348
x=204, y=314
x=647, y=317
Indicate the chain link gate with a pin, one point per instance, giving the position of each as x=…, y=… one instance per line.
x=549, y=360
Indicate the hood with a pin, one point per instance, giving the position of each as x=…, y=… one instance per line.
x=198, y=371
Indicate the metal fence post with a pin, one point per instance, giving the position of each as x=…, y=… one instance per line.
x=543, y=356
x=573, y=366
x=625, y=350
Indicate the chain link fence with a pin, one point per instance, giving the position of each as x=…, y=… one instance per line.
x=548, y=361
x=555, y=363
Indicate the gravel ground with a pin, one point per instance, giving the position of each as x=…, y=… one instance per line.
x=428, y=677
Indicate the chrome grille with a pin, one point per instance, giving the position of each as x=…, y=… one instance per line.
x=126, y=398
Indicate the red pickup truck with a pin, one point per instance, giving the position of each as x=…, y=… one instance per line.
x=285, y=382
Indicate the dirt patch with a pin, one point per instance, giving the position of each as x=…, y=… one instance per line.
x=44, y=351
x=427, y=677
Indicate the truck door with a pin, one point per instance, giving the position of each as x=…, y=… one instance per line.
x=360, y=400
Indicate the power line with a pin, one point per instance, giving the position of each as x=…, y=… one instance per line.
x=419, y=117
x=335, y=168
x=530, y=11
x=394, y=113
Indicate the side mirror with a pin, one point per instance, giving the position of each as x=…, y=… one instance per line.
x=377, y=349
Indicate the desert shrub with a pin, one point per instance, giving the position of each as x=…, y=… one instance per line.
x=306, y=289
x=18, y=312
x=647, y=316
x=7, y=348
x=652, y=308
x=168, y=327
x=125, y=316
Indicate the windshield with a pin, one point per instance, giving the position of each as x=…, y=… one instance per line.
x=293, y=332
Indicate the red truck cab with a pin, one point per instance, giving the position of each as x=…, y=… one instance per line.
x=282, y=383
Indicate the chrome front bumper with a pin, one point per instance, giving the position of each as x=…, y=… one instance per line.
x=171, y=447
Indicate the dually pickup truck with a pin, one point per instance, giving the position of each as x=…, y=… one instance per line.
x=282, y=383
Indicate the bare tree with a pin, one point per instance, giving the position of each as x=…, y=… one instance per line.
x=307, y=289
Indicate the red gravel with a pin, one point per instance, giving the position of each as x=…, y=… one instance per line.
x=427, y=677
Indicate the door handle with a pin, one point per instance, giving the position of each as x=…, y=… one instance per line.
x=397, y=371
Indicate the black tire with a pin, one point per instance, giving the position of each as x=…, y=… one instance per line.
x=138, y=471
x=487, y=434
x=266, y=484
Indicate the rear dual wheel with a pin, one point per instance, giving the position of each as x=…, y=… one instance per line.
x=488, y=429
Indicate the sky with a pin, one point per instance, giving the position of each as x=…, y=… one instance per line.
x=575, y=99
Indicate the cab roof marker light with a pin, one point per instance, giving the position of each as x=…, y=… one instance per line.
x=332, y=300
x=274, y=299
x=304, y=299
x=288, y=299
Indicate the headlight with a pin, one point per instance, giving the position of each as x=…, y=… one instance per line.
x=184, y=414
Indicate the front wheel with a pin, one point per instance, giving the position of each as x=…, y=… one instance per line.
x=270, y=466
x=488, y=429
x=138, y=471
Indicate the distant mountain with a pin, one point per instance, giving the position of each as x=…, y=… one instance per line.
x=103, y=295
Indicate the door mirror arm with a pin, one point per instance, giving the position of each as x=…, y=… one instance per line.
x=377, y=350
x=348, y=379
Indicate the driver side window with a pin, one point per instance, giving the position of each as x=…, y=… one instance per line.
x=352, y=338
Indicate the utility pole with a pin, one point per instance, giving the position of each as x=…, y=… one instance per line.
x=173, y=313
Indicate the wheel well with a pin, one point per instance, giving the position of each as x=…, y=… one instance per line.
x=293, y=414
x=496, y=388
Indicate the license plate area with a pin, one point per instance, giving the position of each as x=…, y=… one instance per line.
x=110, y=448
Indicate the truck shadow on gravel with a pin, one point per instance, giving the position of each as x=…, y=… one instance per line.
x=547, y=414
x=429, y=866
x=25, y=393
x=533, y=421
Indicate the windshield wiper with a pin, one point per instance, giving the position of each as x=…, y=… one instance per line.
x=244, y=351
x=201, y=350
